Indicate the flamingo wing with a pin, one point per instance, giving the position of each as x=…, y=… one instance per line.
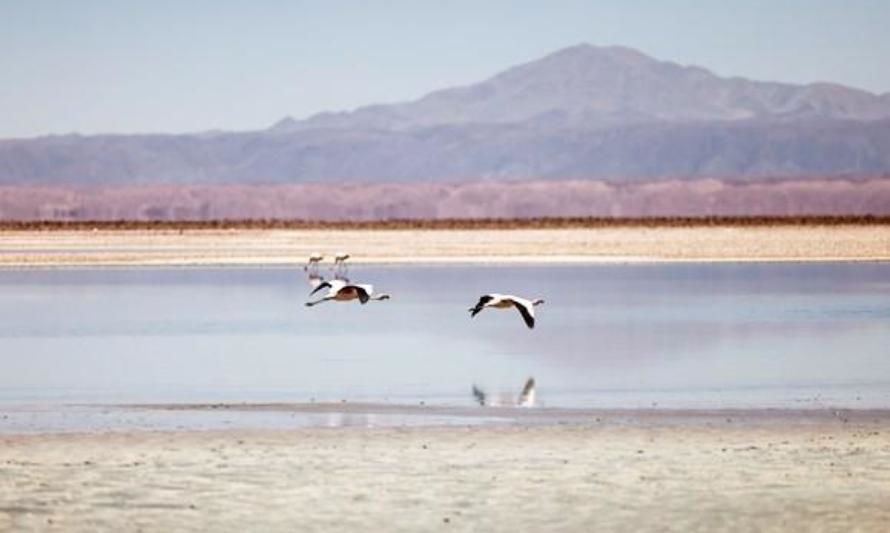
x=320, y=286
x=479, y=394
x=527, y=391
x=480, y=305
x=526, y=313
x=363, y=294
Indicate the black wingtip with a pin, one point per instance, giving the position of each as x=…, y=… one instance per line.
x=322, y=285
x=526, y=315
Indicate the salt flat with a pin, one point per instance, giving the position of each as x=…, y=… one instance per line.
x=658, y=472
x=611, y=244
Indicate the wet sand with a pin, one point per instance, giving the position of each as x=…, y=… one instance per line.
x=616, y=471
x=607, y=244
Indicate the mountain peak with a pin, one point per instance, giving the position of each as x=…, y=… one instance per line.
x=581, y=112
x=601, y=86
x=590, y=51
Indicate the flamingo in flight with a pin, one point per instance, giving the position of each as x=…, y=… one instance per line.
x=343, y=291
x=525, y=307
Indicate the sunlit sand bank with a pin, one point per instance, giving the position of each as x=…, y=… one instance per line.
x=615, y=471
x=581, y=245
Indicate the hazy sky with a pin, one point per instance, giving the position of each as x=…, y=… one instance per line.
x=174, y=66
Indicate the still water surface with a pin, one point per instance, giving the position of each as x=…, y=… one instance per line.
x=713, y=335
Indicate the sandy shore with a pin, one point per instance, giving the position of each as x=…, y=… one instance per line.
x=611, y=244
x=659, y=472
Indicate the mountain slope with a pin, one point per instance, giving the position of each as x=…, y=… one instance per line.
x=581, y=113
x=740, y=150
x=588, y=84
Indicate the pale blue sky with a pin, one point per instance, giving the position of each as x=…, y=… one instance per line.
x=94, y=66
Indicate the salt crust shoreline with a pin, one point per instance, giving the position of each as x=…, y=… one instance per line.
x=782, y=243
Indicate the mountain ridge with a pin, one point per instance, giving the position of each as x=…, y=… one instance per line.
x=583, y=112
x=601, y=81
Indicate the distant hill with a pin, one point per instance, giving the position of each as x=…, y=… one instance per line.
x=585, y=112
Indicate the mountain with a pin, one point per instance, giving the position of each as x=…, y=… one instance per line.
x=600, y=86
x=585, y=112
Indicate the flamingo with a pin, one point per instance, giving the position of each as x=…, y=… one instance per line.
x=525, y=307
x=340, y=265
x=343, y=291
x=314, y=260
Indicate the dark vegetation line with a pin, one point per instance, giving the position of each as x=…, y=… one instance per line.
x=446, y=224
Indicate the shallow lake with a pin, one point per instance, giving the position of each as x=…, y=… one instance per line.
x=675, y=335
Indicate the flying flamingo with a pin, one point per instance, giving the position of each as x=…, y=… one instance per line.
x=525, y=307
x=343, y=291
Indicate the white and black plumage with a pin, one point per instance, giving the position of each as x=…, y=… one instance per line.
x=526, y=397
x=343, y=291
x=525, y=307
